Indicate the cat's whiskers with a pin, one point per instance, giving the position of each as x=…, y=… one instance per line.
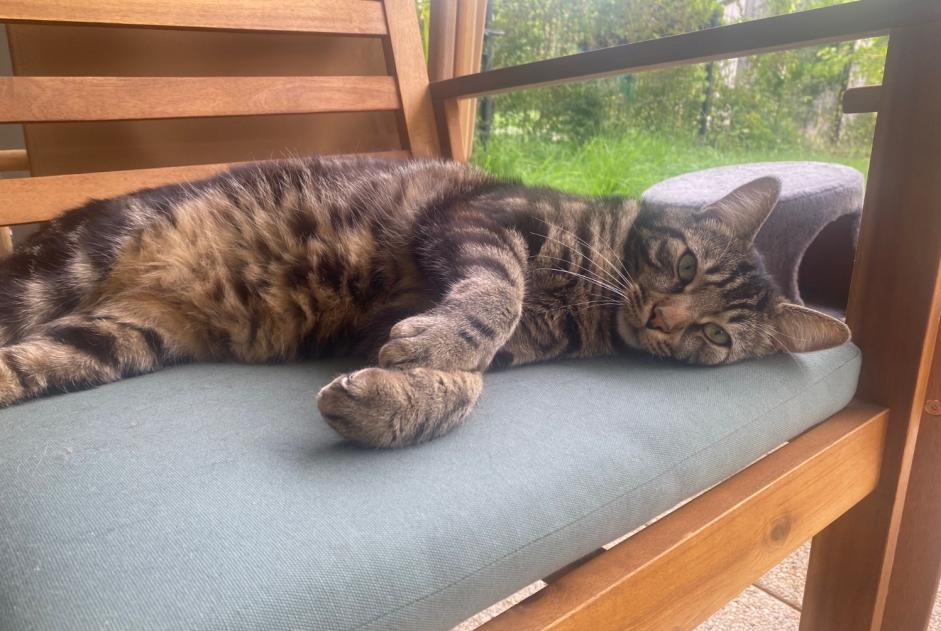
x=601, y=302
x=618, y=269
x=607, y=286
x=608, y=277
x=773, y=334
x=588, y=271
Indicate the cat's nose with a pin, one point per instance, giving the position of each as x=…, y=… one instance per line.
x=664, y=318
x=658, y=320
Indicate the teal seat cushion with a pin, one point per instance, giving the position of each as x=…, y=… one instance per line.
x=214, y=497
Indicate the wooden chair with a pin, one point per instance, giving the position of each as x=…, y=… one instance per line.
x=864, y=483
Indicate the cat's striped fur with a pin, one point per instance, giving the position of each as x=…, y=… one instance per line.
x=433, y=270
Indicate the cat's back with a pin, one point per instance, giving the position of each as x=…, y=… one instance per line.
x=305, y=196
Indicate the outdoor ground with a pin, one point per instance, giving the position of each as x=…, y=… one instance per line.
x=626, y=165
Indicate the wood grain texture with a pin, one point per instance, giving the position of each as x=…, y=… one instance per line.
x=468, y=47
x=916, y=570
x=678, y=571
x=45, y=99
x=894, y=309
x=448, y=118
x=355, y=17
x=411, y=74
x=441, y=40
x=442, y=44
x=852, y=20
x=6, y=241
x=95, y=51
x=862, y=100
x=455, y=48
x=31, y=199
x=14, y=160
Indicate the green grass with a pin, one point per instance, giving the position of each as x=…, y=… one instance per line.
x=621, y=166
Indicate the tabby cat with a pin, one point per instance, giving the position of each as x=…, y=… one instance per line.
x=434, y=270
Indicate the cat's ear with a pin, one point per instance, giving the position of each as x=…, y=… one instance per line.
x=801, y=330
x=747, y=207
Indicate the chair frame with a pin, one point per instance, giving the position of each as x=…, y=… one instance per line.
x=865, y=483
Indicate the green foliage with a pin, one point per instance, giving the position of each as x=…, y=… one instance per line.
x=424, y=19
x=623, y=165
x=777, y=102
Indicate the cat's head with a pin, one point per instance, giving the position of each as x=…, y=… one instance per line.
x=702, y=294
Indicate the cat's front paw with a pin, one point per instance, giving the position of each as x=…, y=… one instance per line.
x=393, y=408
x=436, y=341
x=364, y=406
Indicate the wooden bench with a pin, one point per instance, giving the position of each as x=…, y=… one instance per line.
x=864, y=483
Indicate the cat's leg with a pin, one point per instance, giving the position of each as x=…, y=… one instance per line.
x=430, y=369
x=76, y=352
x=480, y=267
x=393, y=408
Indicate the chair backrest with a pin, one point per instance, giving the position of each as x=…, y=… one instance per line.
x=54, y=107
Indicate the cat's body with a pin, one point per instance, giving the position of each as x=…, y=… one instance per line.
x=433, y=270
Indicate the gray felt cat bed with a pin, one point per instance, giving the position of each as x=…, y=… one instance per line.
x=809, y=241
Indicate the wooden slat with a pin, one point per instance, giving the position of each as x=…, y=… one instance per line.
x=894, y=312
x=853, y=20
x=353, y=17
x=678, y=571
x=85, y=51
x=411, y=72
x=862, y=100
x=30, y=199
x=14, y=160
x=47, y=99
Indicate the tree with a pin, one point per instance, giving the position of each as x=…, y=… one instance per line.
x=778, y=99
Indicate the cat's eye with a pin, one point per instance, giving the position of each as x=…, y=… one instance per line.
x=716, y=334
x=686, y=267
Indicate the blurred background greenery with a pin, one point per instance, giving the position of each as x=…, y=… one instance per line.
x=620, y=135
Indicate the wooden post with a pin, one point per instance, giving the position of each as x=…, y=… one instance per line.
x=894, y=314
x=6, y=241
x=455, y=49
x=467, y=55
x=916, y=571
x=411, y=72
x=441, y=39
x=10, y=160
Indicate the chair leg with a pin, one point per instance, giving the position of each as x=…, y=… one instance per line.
x=861, y=561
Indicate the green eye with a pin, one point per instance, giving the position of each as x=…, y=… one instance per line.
x=716, y=334
x=686, y=267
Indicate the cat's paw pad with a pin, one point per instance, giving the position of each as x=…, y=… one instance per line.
x=363, y=406
x=433, y=342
